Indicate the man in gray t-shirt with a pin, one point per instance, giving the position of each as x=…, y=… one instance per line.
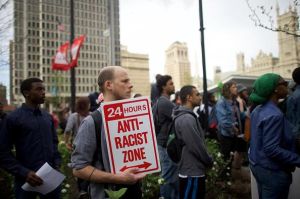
x=115, y=85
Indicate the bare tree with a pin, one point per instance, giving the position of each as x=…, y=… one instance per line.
x=262, y=16
x=6, y=22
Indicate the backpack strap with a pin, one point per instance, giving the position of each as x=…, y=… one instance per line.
x=97, y=117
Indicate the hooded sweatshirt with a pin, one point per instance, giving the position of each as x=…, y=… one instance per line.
x=195, y=158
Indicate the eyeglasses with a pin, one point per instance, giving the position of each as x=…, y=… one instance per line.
x=284, y=83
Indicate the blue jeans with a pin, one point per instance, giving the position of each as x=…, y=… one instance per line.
x=271, y=184
x=169, y=172
x=21, y=194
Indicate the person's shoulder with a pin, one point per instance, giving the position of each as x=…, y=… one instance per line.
x=187, y=117
x=73, y=115
x=296, y=94
x=163, y=101
x=88, y=120
x=270, y=111
x=14, y=114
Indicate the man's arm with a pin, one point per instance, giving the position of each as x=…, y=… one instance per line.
x=57, y=157
x=68, y=131
x=8, y=160
x=83, y=154
x=190, y=135
x=90, y=173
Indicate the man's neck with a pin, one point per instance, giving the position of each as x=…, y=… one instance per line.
x=166, y=95
x=31, y=105
x=189, y=106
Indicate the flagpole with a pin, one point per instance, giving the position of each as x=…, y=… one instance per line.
x=73, y=82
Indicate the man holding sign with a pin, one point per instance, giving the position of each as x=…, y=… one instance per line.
x=114, y=83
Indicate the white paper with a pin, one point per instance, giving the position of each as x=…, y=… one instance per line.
x=51, y=179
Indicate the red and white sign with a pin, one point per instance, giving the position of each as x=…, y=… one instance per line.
x=130, y=135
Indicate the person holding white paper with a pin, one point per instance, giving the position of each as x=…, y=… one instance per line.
x=30, y=130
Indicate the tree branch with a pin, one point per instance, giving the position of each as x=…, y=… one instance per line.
x=267, y=13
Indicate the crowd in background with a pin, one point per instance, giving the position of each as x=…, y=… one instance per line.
x=257, y=127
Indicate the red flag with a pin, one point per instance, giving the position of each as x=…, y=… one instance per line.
x=77, y=43
x=60, y=60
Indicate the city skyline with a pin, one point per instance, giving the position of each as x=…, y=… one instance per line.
x=222, y=44
x=151, y=26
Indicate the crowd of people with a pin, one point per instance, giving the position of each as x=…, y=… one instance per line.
x=270, y=116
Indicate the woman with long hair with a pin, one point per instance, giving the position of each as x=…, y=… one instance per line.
x=228, y=117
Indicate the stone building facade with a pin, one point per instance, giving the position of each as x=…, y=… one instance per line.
x=178, y=65
x=41, y=26
x=289, y=50
x=137, y=66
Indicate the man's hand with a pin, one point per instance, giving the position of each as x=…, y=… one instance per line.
x=69, y=147
x=130, y=176
x=33, y=179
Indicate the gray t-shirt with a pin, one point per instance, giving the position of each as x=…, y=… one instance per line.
x=85, y=146
x=73, y=124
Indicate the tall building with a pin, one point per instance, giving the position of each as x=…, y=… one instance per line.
x=289, y=50
x=41, y=26
x=137, y=66
x=178, y=65
x=3, y=99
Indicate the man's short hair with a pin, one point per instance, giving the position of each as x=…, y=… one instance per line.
x=27, y=83
x=162, y=81
x=105, y=74
x=185, y=91
x=296, y=75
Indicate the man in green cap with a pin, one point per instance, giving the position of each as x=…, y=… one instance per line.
x=271, y=155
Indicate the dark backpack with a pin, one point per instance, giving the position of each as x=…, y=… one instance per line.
x=174, y=144
x=134, y=190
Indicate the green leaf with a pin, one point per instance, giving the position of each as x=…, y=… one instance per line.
x=115, y=194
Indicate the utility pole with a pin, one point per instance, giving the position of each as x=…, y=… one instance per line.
x=205, y=99
x=73, y=82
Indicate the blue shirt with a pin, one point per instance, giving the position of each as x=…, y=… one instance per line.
x=272, y=141
x=228, y=116
x=293, y=110
x=32, y=133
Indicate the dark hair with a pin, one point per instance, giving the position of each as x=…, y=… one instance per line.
x=226, y=89
x=105, y=74
x=296, y=75
x=185, y=91
x=27, y=83
x=177, y=95
x=162, y=81
x=82, y=106
x=157, y=76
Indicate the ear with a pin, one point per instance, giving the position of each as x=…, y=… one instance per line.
x=108, y=85
x=188, y=97
x=26, y=93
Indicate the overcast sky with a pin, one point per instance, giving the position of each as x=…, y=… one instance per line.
x=151, y=26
